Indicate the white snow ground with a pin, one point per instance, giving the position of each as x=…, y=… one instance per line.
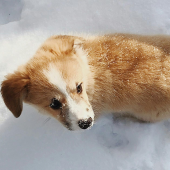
x=33, y=142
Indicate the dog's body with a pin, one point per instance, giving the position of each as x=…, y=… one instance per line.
x=71, y=78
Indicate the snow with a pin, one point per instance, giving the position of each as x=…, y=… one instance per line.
x=35, y=141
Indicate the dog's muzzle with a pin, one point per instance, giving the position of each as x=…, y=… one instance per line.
x=84, y=124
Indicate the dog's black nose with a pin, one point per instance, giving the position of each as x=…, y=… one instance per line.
x=84, y=124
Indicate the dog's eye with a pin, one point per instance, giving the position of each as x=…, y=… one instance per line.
x=79, y=88
x=55, y=104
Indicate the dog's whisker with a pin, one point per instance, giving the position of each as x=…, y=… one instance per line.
x=46, y=120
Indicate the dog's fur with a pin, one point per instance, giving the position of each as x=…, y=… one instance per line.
x=121, y=73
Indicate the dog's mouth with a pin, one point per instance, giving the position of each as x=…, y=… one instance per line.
x=75, y=122
x=68, y=126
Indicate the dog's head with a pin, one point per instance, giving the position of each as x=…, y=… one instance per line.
x=54, y=81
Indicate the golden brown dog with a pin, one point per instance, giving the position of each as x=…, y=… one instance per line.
x=74, y=78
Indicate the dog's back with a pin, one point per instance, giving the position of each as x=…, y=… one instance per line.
x=132, y=74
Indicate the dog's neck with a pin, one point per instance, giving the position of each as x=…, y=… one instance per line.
x=107, y=78
x=99, y=88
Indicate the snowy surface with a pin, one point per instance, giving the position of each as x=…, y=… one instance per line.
x=36, y=142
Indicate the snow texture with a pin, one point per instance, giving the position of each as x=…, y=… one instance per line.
x=37, y=142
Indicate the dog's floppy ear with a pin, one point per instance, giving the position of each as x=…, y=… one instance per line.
x=78, y=47
x=14, y=89
x=77, y=43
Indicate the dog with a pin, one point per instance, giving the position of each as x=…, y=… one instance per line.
x=76, y=79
